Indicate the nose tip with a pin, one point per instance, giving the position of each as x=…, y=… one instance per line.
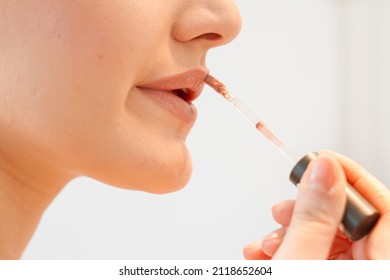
x=212, y=22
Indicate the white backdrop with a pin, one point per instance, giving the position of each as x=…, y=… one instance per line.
x=315, y=71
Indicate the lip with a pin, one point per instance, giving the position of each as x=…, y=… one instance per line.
x=175, y=93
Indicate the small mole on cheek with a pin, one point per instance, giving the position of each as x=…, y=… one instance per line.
x=100, y=56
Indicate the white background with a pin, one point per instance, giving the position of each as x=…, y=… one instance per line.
x=316, y=71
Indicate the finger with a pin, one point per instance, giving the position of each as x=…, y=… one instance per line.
x=272, y=241
x=317, y=212
x=376, y=245
x=265, y=248
x=359, y=248
x=254, y=251
x=282, y=212
x=366, y=184
x=341, y=249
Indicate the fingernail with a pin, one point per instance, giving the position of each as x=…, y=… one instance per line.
x=272, y=241
x=321, y=173
x=254, y=245
x=276, y=234
x=270, y=246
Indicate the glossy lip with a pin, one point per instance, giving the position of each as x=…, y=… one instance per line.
x=175, y=93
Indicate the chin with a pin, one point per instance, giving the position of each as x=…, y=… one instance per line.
x=169, y=181
x=164, y=170
x=166, y=188
x=169, y=172
x=156, y=185
x=156, y=179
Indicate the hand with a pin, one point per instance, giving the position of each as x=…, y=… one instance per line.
x=309, y=225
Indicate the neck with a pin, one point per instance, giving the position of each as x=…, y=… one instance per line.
x=23, y=200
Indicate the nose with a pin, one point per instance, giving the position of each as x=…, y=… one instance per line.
x=210, y=23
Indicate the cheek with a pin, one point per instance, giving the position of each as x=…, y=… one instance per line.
x=73, y=72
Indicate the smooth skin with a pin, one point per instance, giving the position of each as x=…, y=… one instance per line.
x=70, y=99
x=310, y=224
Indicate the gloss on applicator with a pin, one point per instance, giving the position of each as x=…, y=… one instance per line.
x=359, y=215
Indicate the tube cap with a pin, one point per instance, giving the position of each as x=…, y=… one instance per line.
x=300, y=167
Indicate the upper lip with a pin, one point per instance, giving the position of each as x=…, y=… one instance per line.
x=187, y=85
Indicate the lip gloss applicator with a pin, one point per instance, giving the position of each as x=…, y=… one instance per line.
x=359, y=215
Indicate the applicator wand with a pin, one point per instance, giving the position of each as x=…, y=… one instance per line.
x=359, y=215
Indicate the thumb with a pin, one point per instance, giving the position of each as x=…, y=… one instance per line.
x=317, y=213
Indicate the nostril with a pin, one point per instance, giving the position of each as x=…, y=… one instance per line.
x=210, y=36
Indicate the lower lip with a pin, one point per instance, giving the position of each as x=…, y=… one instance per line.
x=179, y=108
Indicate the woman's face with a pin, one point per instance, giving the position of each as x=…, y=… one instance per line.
x=104, y=88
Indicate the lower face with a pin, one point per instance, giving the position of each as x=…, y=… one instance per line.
x=80, y=102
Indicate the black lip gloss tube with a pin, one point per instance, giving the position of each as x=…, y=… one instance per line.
x=359, y=215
